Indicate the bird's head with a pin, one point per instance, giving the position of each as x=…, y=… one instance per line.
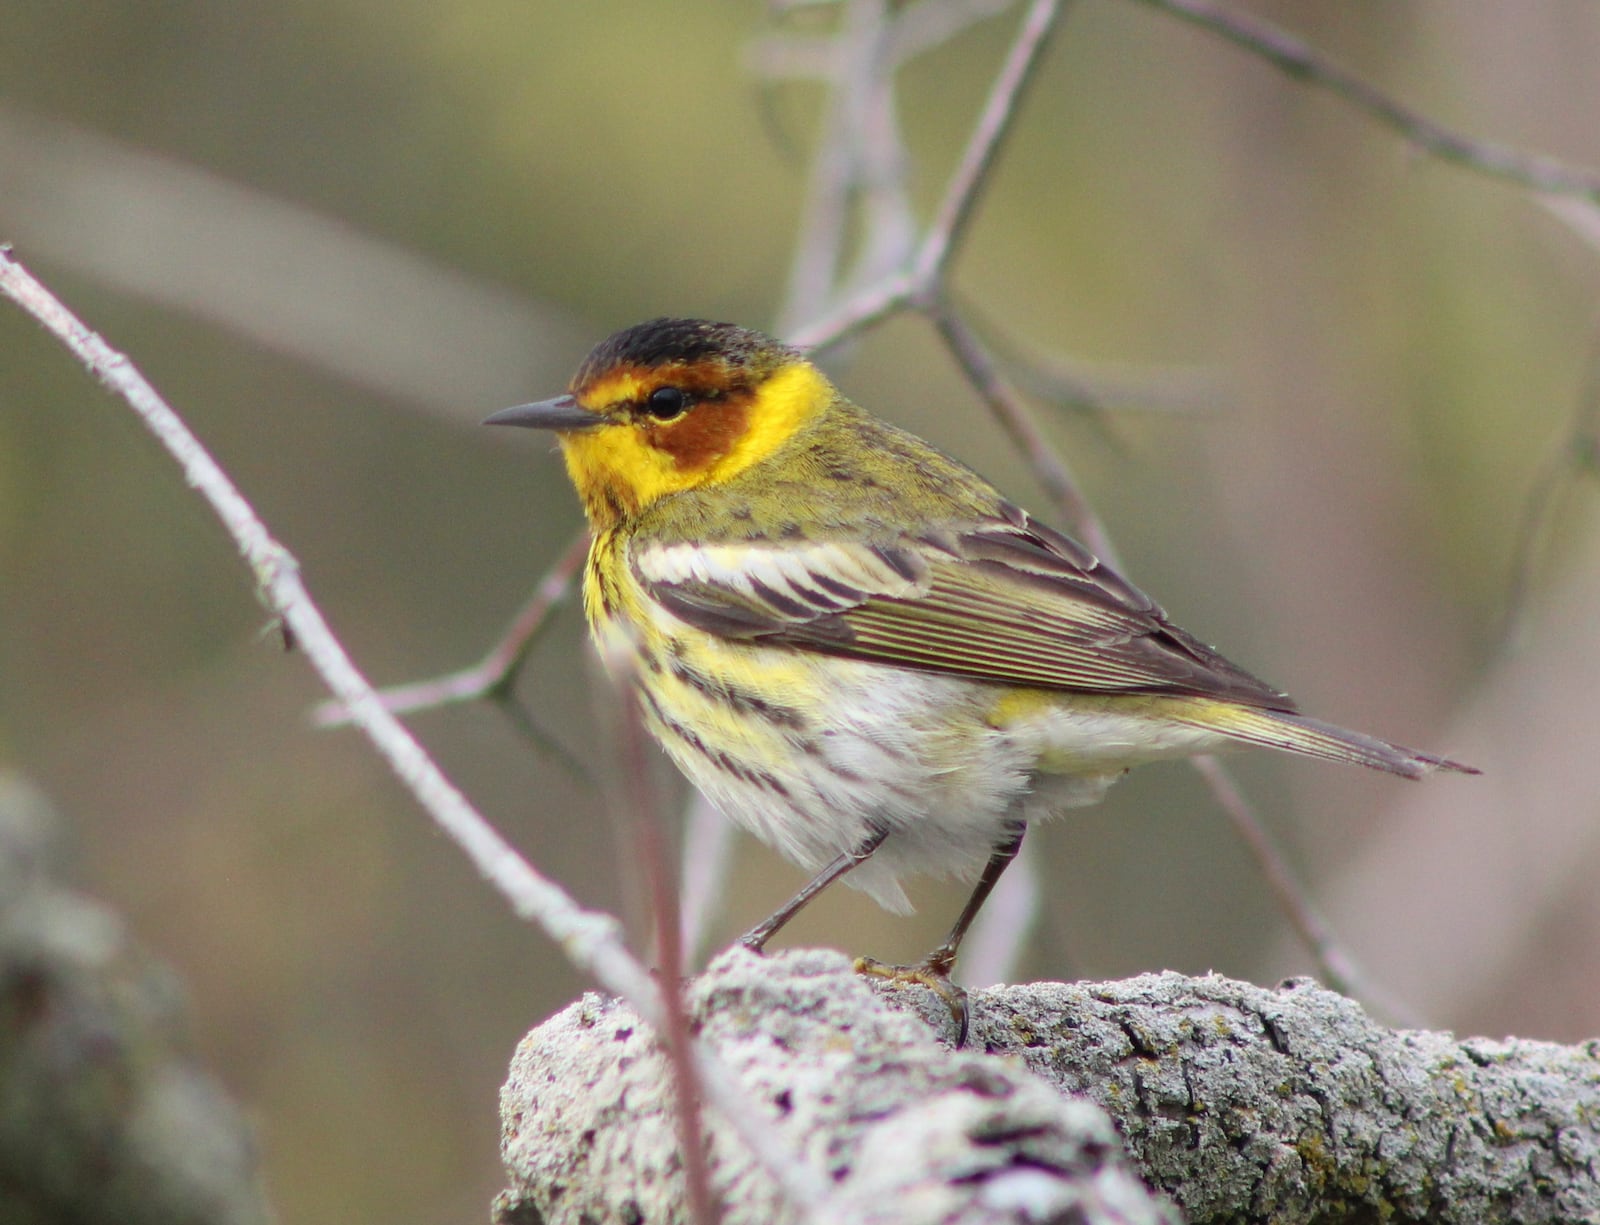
x=672, y=405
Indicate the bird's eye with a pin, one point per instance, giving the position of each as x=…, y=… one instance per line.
x=666, y=402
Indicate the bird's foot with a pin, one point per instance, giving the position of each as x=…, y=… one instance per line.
x=934, y=974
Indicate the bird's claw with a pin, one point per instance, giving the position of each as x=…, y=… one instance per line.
x=933, y=974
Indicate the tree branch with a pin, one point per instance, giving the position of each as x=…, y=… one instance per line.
x=1291, y=1104
x=1291, y=56
x=901, y=1127
x=1242, y=1103
x=493, y=675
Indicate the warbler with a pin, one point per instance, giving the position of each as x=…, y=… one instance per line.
x=854, y=645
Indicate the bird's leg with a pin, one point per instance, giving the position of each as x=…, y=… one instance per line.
x=934, y=971
x=756, y=938
x=943, y=959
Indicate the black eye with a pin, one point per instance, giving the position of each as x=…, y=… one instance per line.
x=666, y=402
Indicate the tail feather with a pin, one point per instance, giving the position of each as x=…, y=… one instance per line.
x=1296, y=733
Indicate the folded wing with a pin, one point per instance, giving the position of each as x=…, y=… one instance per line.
x=1005, y=600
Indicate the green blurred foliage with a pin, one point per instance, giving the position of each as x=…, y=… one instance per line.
x=1397, y=347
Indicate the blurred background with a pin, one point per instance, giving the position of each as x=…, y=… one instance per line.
x=337, y=234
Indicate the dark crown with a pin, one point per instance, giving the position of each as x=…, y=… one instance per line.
x=666, y=341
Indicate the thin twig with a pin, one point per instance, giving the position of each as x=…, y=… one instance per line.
x=1049, y=467
x=874, y=302
x=870, y=305
x=1287, y=53
x=954, y=214
x=857, y=52
x=928, y=24
x=640, y=808
x=591, y=940
x=496, y=672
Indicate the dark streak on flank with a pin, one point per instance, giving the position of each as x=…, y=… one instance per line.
x=741, y=701
x=600, y=582
x=725, y=761
x=671, y=726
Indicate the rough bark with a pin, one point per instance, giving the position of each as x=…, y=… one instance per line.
x=1291, y=1104
x=1239, y=1103
x=104, y=1119
x=903, y=1128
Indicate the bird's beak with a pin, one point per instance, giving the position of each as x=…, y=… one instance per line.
x=563, y=413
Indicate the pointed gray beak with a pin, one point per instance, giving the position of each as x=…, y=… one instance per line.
x=562, y=414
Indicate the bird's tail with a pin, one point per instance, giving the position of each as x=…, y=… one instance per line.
x=1279, y=729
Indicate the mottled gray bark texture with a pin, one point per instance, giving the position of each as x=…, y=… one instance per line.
x=904, y=1129
x=1290, y=1104
x=1239, y=1103
x=104, y=1119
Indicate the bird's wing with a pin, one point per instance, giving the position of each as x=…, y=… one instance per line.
x=1004, y=600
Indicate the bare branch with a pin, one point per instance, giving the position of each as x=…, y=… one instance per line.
x=1048, y=466
x=954, y=214
x=870, y=305
x=591, y=939
x=497, y=671
x=859, y=48
x=1295, y=58
x=639, y=804
x=919, y=284
x=1242, y=1103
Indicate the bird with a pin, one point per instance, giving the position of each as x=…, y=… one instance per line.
x=854, y=645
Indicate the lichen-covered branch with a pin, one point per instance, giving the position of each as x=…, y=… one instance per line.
x=1291, y=1104
x=1240, y=1103
x=903, y=1128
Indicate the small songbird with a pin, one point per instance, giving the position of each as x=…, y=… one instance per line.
x=854, y=645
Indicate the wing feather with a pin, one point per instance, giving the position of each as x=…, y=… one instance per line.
x=1003, y=600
